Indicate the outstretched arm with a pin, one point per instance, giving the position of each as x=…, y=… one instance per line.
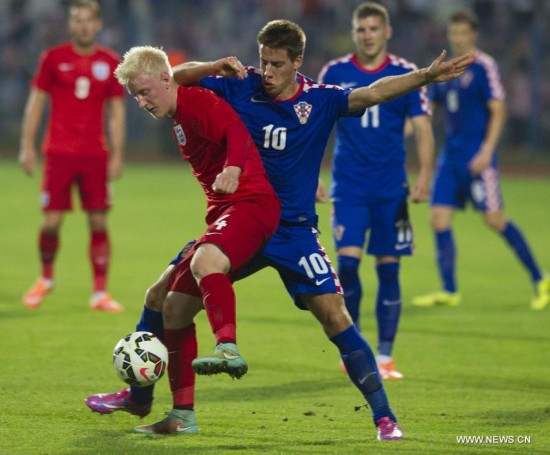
x=391, y=87
x=191, y=72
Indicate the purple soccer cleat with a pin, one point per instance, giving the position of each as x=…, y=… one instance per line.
x=388, y=430
x=107, y=403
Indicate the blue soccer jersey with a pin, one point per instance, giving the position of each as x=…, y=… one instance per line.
x=369, y=152
x=291, y=135
x=465, y=102
x=466, y=112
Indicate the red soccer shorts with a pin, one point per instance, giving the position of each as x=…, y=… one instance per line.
x=240, y=231
x=89, y=174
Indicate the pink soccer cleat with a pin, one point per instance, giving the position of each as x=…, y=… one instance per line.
x=107, y=403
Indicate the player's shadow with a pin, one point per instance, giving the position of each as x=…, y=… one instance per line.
x=12, y=307
x=512, y=417
x=483, y=335
x=285, y=390
x=476, y=383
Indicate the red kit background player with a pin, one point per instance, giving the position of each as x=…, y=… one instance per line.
x=77, y=78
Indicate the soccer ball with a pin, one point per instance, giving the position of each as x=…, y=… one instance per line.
x=140, y=359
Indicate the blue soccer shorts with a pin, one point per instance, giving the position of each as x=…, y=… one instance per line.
x=301, y=261
x=386, y=221
x=454, y=186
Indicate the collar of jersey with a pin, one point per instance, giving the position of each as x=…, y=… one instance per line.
x=385, y=63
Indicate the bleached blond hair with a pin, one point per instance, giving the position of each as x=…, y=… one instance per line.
x=142, y=60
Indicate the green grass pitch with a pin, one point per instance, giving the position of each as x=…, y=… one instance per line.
x=480, y=369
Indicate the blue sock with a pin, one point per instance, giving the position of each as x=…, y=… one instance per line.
x=151, y=321
x=446, y=259
x=362, y=370
x=388, y=305
x=348, y=272
x=518, y=243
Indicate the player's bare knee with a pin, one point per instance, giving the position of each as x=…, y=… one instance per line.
x=495, y=222
x=441, y=218
x=51, y=226
x=208, y=259
x=154, y=297
x=50, y=230
x=339, y=320
x=331, y=312
x=495, y=227
x=171, y=314
x=97, y=220
x=179, y=310
x=438, y=225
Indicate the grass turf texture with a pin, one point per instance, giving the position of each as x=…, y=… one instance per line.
x=481, y=369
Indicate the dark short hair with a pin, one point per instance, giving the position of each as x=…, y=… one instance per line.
x=371, y=9
x=464, y=17
x=283, y=34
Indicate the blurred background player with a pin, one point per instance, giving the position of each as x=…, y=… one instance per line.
x=475, y=115
x=369, y=183
x=78, y=79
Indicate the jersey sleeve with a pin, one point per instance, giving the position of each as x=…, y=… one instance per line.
x=491, y=84
x=339, y=96
x=232, y=89
x=115, y=89
x=44, y=75
x=418, y=103
x=217, y=84
x=238, y=143
x=344, y=111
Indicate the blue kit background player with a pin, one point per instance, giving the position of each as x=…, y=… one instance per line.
x=290, y=119
x=369, y=183
x=475, y=114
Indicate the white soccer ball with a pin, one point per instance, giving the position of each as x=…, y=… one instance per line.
x=140, y=359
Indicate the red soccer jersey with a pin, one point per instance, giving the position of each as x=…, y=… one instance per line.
x=78, y=86
x=201, y=126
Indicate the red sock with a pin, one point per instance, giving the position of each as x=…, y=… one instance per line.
x=47, y=245
x=182, y=350
x=219, y=302
x=100, y=254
